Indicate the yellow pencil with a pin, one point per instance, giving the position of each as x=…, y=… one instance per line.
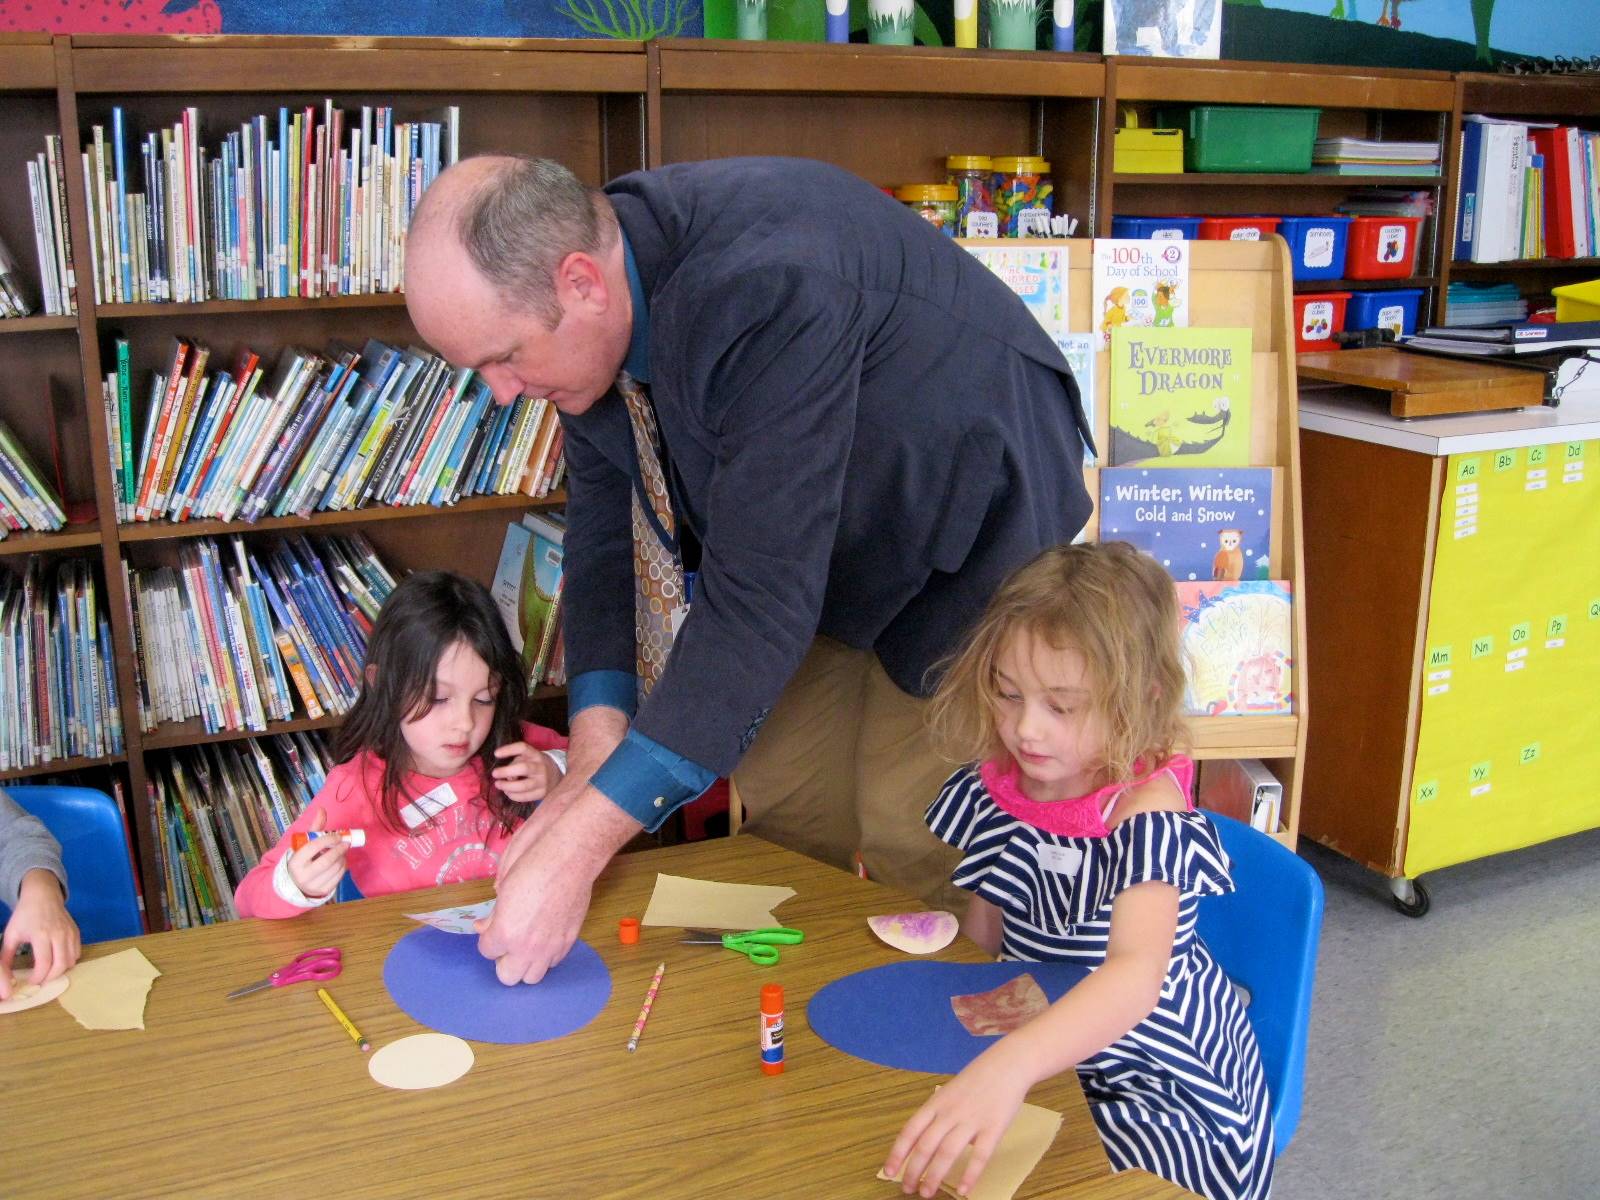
x=338, y=1015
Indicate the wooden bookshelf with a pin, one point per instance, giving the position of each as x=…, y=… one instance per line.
x=582, y=102
x=61, y=766
x=160, y=531
x=1542, y=98
x=1398, y=105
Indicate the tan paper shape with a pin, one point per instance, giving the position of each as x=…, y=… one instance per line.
x=916, y=932
x=706, y=904
x=1007, y=1007
x=423, y=1060
x=1021, y=1147
x=25, y=995
x=109, y=992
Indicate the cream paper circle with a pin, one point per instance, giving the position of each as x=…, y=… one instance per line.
x=423, y=1060
x=25, y=995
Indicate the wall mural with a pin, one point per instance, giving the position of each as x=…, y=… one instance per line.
x=1439, y=34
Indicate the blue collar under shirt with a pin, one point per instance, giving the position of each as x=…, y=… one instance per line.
x=637, y=363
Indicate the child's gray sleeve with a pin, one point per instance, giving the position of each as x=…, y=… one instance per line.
x=25, y=844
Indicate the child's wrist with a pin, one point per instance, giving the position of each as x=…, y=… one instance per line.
x=41, y=883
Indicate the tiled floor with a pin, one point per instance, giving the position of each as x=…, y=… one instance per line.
x=1456, y=1056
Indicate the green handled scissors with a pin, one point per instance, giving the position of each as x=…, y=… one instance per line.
x=760, y=946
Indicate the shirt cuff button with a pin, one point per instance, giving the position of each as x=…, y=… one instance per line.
x=660, y=801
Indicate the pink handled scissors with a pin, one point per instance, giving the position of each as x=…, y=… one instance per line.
x=325, y=962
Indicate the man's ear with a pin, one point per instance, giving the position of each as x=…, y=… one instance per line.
x=580, y=280
x=371, y=674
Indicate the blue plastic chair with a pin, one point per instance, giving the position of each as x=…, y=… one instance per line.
x=1264, y=934
x=100, y=894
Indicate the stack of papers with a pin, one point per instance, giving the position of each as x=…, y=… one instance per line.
x=1368, y=156
x=1485, y=304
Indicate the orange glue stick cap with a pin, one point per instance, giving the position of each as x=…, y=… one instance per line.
x=628, y=931
x=350, y=837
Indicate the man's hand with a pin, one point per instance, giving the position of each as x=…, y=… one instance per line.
x=544, y=897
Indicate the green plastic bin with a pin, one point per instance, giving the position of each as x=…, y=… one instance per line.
x=1228, y=137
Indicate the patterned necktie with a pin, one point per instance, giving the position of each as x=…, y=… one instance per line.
x=657, y=571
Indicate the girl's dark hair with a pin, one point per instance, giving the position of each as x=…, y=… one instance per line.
x=429, y=612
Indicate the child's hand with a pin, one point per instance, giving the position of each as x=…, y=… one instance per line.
x=524, y=774
x=973, y=1109
x=317, y=867
x=41, y=920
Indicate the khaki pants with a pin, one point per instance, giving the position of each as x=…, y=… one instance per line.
x=844, y=763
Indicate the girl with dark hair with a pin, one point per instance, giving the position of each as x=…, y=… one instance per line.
x=435, y=768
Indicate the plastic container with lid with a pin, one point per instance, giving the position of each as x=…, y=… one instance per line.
x=1237, y=229
x=1316, y=245
x=1382, y=247
x=1174, y=229
x=1023, y=195
x=935, y=203
x=1578, y=301
x=1317, y=317
x=970, y=175
x=1394, y=309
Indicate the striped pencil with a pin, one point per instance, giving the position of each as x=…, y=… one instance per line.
x=644, y=1013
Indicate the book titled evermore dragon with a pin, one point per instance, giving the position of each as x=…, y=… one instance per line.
x=1180, y=397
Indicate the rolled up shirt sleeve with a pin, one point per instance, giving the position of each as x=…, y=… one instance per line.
x=649, y=782
x=602, y=689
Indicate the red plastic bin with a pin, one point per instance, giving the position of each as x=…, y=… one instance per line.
x=1317, y=317
x=1237, y=229
x=1382, y=247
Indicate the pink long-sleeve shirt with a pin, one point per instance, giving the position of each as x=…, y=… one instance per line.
x=450, y=835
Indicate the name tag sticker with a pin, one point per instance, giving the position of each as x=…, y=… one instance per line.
x=1064, y=860
x=428, y=806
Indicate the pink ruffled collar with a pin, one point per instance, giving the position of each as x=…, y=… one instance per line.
x=1076, y=816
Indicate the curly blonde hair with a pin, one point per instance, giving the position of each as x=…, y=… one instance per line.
x=1118, y=609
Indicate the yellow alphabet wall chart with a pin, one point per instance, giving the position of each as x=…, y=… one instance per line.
x=1508, y=750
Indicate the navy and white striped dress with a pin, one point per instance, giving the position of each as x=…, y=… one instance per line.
x=1182, y=1094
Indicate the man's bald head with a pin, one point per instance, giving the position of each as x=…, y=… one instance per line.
x=517, y=218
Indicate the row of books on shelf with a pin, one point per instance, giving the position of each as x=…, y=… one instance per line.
x=58, y=685
x=307, y=202
x=331, y=431
x=527, y=590
x=1527, y=190
x=235, y=636
x=52, y=242
x=27, y=501
x=216, y=809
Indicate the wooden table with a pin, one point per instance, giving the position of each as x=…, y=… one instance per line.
x=267, y=1095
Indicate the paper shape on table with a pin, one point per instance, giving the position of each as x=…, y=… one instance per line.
x=25, y=995
x=916, y=932
x=109, y=992
x=423, y=1060
x=899, y=1014
x=706, y=904
x=455, y=920
x=1021, y=1147
x=441, y=981
x=1010, y=1006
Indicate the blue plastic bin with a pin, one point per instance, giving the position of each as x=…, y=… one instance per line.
x=1394, y=309
x=1185, y=229
x=1317, y=245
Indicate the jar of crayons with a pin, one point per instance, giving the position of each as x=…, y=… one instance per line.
x=970, y=175
x=1022, y=195
x=935, y=203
